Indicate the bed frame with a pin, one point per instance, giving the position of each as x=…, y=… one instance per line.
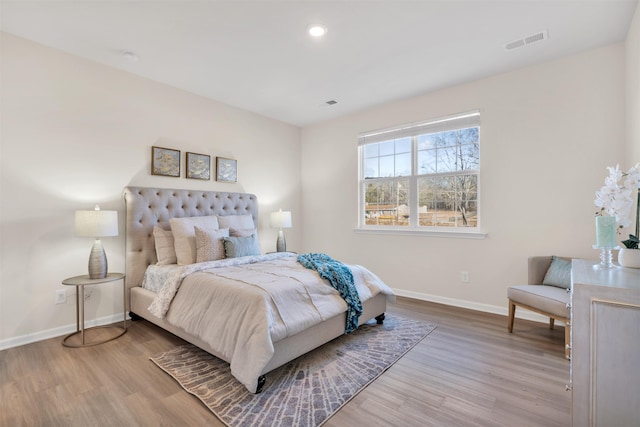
x=149, y=207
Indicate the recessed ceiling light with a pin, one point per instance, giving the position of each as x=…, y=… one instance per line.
x=317, y=30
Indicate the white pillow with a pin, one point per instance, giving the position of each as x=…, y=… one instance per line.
x=165, y=250
x=184, y=235
x=236, y=221
x=209, y=244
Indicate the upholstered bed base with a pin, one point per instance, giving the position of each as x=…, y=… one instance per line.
x=286, y=349
x=149, y=207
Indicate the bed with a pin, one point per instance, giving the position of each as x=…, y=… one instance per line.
x=153, y=210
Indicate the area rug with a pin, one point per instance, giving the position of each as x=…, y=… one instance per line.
x=307, y=390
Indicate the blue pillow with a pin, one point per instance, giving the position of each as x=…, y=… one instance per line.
x=559, y=273
x=235, y=247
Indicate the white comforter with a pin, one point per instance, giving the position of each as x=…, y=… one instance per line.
x=241, y=306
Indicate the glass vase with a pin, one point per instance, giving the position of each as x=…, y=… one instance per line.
x=605, y=241
x=605, y=231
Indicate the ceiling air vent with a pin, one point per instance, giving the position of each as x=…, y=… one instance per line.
x=525, y=41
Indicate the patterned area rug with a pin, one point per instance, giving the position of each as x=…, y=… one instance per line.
x=307, y=390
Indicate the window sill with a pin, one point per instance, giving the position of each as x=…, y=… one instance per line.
x=428, y=233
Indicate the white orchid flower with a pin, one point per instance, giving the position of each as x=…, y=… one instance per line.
x=618, y=195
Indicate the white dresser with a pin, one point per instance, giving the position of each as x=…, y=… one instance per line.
x=605, y=346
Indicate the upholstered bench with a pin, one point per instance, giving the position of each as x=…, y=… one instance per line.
x=548, y=293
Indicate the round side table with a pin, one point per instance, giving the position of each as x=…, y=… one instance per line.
x=80, y=282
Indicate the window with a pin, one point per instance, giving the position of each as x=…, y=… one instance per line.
x=422, y=176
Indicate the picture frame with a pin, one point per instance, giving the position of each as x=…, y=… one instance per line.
x=226, y=170
x=165, y=161
x=198, y=166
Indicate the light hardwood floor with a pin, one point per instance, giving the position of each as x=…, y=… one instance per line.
x=469, y=372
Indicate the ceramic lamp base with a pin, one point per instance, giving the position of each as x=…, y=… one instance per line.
x=97, y=261
x=281, y=243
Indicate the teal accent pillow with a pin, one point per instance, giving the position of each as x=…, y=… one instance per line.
x=235, y=247
x=558, y=274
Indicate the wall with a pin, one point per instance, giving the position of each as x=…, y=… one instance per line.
x=74, y=133
x=633, y=90
x=548, y=132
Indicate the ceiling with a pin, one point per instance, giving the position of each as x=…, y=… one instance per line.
x=256, y=55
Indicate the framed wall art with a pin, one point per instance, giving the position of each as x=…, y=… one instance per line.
x=226, y=170
x=165, y=161
x=198, y=166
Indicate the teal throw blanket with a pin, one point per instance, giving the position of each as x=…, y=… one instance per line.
x=341, y=279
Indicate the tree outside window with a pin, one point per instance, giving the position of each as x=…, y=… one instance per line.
x=423, y=176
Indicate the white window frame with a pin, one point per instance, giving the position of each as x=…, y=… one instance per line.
x=441, y=124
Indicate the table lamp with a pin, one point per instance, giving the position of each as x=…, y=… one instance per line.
x=281, y=220
x=97, y=223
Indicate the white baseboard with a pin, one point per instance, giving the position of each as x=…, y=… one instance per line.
x=57, y=332
x=487, y=308
x=107, y=320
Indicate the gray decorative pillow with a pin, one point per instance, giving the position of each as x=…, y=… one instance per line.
x=559, y=273
x=235, y=247
x=209, y=244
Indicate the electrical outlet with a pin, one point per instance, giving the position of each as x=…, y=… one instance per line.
x=464, y=276
x=61, y=296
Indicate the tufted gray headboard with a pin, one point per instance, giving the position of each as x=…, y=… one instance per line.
x=148, y=207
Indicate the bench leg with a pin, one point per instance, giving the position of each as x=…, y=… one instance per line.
x=512, y=313
x=551, y=322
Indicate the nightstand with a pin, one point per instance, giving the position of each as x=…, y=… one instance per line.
x=80, y=282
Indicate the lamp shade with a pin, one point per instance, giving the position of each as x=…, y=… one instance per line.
x=96, y=223
x=280, y=219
